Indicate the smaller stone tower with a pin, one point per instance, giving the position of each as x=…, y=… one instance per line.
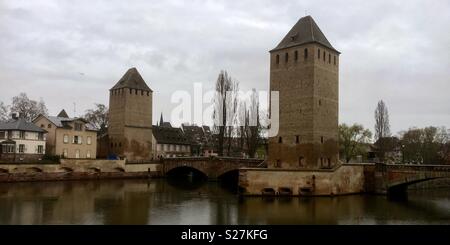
x=130, y=117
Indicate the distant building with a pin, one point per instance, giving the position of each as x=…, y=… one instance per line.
x=21, y=141
x=201, y=140
x=68, y=137
x=170, y=141
x=130, y=118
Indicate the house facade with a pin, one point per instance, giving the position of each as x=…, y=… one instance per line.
x=68, y=137
x=170, y=141
x=21, y=141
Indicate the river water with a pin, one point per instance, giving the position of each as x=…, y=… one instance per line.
x=162, y=201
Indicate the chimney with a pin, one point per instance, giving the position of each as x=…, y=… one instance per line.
x=14, y=116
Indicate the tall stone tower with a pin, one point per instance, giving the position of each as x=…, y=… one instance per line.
x=130, y=117
x=304, y=68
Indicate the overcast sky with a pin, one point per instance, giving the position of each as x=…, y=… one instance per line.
x=70, y=52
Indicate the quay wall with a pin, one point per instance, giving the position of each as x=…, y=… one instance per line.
x=76, y=169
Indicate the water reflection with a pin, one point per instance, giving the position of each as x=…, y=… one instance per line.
x=188, y=201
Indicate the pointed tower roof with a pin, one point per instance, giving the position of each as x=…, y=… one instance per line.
x=161, y=121
x=304, y=31
x=132, y=79
x=63, y=113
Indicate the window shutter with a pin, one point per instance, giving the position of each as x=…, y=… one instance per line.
x=73, y=139
x=81, y=140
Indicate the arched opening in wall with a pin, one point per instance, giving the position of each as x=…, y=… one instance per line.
x=66, y=169
x=93, y=170
x=119, y=169
x=230, y=180
x=33, y=170
x=186, y=178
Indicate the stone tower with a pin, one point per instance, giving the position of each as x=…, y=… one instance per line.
x=304, y=68
x=130, y=117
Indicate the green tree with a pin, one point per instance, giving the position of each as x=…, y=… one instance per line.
x=352, y=140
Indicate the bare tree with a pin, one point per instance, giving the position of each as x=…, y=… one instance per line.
x=26, y=108
x=98, y=117
x=3, y=112
x=252, y=125
x=382, y=127
x=223, y=84
x=232, y=107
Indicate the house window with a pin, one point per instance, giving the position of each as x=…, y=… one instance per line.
x=40, y=136
x=300, y=161
x=49, y=126
x=77, y=153
x=2, y=134
x=297, y=139
x=21, y=148
x=286, y=57
x=306, y=53
x=88, y=140
x=88, y=154
x=135, y=91
x=65, y=153
x=278, y=59
x=40, y=149
x=78, y=127
x=280, y=140
x=296, y=55
x=66, y=139
x=8, y=148
x=21, y=134
x=76, y=139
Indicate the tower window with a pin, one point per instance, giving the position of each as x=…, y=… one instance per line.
x=135, y=91
x=334, y=60
x=329, y=58
x=306, y=53
x=320, y=102
x=286, y=57
x=280, y=140
x=278, y=59
x=142, y=92
x=300, y=161
x=318, y=53
x=297, y=139
x=324, y=54
x=296, y=55
x=148, y=93
x=321, y=139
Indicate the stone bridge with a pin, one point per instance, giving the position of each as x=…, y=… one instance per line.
x=212, y=167
x=394, y=179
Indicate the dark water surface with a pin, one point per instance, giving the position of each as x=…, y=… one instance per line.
x=161, y=201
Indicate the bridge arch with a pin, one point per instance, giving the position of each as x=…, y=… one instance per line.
x=4, y=171
x=186, y=170
x=66, y=169
x=33, y=170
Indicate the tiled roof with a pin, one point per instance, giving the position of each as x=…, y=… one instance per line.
x=169, y=135
x=304, y=31
x=132, y=79
x=21, y=124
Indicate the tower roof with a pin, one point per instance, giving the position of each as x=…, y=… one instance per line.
x=132, y=79
x=304, y=31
